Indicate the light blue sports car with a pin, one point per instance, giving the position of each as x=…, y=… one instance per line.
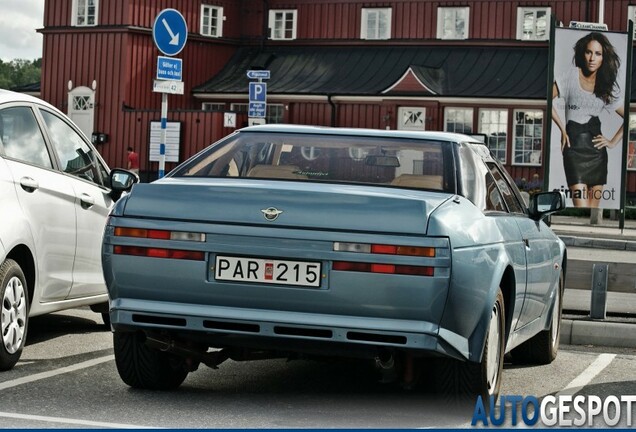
x=412, y=249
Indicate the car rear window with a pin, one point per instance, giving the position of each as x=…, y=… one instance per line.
x=406, y=163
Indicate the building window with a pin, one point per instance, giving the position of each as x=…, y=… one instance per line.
x=452, y=22
x=274, y=112
x=211, y=106
x=533, y=23
x=282, y=24
x=211, y=20
x=411, y=118
x=84, y=12
x=631, y=15
x=375, y=23
x=458, y=120
x=528, y=136
x=631, y=146
x=494, y=124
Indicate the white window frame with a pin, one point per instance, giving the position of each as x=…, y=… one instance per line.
x=491, y=126
x=367, y=14
x=211, y=30
x=213, y=106
x=465, y=114
x=631, y=15
x=528, y=141
x=76, y=10
x=273, y=22
x=457, y=14
x=521, y=12
x=411, y=118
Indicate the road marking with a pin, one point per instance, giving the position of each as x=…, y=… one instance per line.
x=597, y=366
x=52, y=373
x=72, y=421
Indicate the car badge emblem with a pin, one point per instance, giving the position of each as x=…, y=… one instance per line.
x=271, y=213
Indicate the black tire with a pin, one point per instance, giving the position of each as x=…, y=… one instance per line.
x=543, y=347
x=143, y=367
x=14, y=319
x=106, y=319
x=463, y=381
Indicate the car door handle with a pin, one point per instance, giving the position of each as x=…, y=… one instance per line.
x=527, y=242
x=86, y=201
x=28, y=184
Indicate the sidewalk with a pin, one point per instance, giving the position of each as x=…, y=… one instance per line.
x=618, y=329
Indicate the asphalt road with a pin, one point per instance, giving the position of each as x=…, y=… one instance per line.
x=67, y=379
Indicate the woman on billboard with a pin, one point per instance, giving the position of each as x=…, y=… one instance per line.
x=587, y=90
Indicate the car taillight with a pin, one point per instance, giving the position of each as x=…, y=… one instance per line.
x=383, y=268
x=383, y=249
x=159, y=253
x=159, y=234
x=428, y=252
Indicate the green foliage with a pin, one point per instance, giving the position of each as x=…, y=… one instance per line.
x=20, y=72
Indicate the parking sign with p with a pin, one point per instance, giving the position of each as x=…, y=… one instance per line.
x=258, y=92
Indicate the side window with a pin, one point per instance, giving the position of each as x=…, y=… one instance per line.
x=22, y=138
x=506, y=189
x=76, y=157
x=494, y=200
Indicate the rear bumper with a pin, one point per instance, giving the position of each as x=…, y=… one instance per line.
x=222, y=327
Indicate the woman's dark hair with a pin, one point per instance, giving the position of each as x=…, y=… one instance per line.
x=605, y=88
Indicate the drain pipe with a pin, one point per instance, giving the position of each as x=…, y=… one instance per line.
x=333, y=110
x=265, y=22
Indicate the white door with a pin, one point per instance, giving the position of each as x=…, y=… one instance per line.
x=47, y=200
x=88, y=177
x=81, y=107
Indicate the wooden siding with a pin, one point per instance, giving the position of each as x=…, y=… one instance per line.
x=199, y=129
x=417, y=19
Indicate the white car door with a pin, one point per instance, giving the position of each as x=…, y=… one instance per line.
x=88, y=175
x=46, y=199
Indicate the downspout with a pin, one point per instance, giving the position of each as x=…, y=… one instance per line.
x=333, y=110
x=265, y=23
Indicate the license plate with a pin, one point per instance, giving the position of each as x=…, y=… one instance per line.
x=269, y=271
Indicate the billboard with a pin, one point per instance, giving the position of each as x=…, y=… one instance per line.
x=588, y=99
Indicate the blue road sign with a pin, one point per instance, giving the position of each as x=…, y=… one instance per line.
x=169, y=68
x=258, y=92
x=257, y=109
x=170, y=32
x=258, y=74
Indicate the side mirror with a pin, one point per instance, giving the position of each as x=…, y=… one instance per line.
x=543, y=204
x=121, y=181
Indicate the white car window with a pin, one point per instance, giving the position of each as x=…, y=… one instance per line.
x=76, y=156
x=22, y=138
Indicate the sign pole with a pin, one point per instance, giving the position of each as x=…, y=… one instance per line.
x=170, y=32
x=162, y=142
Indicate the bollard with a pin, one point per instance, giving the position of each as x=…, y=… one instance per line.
x=598, y=306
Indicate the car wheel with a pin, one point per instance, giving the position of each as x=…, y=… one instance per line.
x=143, y=367
x=14, y=318
x=467, y=380
x=543, y=347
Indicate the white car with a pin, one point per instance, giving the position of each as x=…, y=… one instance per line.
x=55, y=195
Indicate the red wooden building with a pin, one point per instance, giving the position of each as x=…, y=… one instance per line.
x=476, y=66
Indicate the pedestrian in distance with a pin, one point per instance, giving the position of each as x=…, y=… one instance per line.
x=133, y=161
x=586, y=91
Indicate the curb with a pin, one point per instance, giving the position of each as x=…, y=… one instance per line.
x=599, y=333
x=597, y=243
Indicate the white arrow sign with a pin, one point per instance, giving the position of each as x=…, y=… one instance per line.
x=174, y=37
